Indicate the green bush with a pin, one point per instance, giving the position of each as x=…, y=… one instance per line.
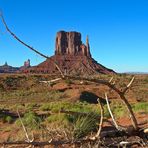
x=1, y=87
x=119, y=111
x=55, y=95
x=6, y=118
x=9, y=119
x=30, y=106
x=146, y=80
x=45, y=107
x=61, y=118
x=84, y=125
x=11, y=82
x=30, y=120
x=68, y=81
x=77, y=107
x=142, y=106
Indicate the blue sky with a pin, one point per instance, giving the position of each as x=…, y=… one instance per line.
x=117, y=29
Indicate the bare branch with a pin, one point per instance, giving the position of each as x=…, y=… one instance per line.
x=113, y=83
x=101, y=119
x=26, y=134
x=129, y=84
x=110, y=112
x=111, y=79
x=63, y=76
x=146, y=130
x=51, y=81
x=97, y=136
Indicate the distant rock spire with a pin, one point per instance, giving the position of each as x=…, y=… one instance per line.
x=87, y=41
x=6, y=64
x=27, y=64
x=87, y=46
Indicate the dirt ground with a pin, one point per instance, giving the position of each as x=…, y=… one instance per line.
x=75, y=91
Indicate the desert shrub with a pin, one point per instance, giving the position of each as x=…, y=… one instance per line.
x=123, y=75
x=142, y=106
x=119, y=111
x=1, y=87
x=45, y=107
x=54, y=107
x=85, y=83
x=55, y=95
x=11, y=82
x=30, y=120
x=77, y=107
x=15, y=107
x=60, y=118
x=9, y=119
x=6, y=119
x=146, y=80
x=82, y=107
x=84, y=125
x=30, y=106
x=68, y=81
x=106, y=112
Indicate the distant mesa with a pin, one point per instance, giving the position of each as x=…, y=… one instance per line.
x=72, y=56
x=8, y=69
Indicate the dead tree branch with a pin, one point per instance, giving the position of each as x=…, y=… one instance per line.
x=97, y=136
x=51, y=81
x=111, y=79
x=110, y=112
x=101, y=119
x=25, y=131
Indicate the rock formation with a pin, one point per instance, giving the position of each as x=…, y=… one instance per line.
x=69, y=43
x=72, y=56
x=8, y=69
x=27, y=64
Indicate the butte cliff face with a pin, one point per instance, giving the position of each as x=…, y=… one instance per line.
x=69, y=43
x=72, y=56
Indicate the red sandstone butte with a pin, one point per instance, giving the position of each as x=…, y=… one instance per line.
x=72, y=56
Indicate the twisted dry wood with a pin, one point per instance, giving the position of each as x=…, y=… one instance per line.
x=101, y=119
x=25, y=131
x=110, y=112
